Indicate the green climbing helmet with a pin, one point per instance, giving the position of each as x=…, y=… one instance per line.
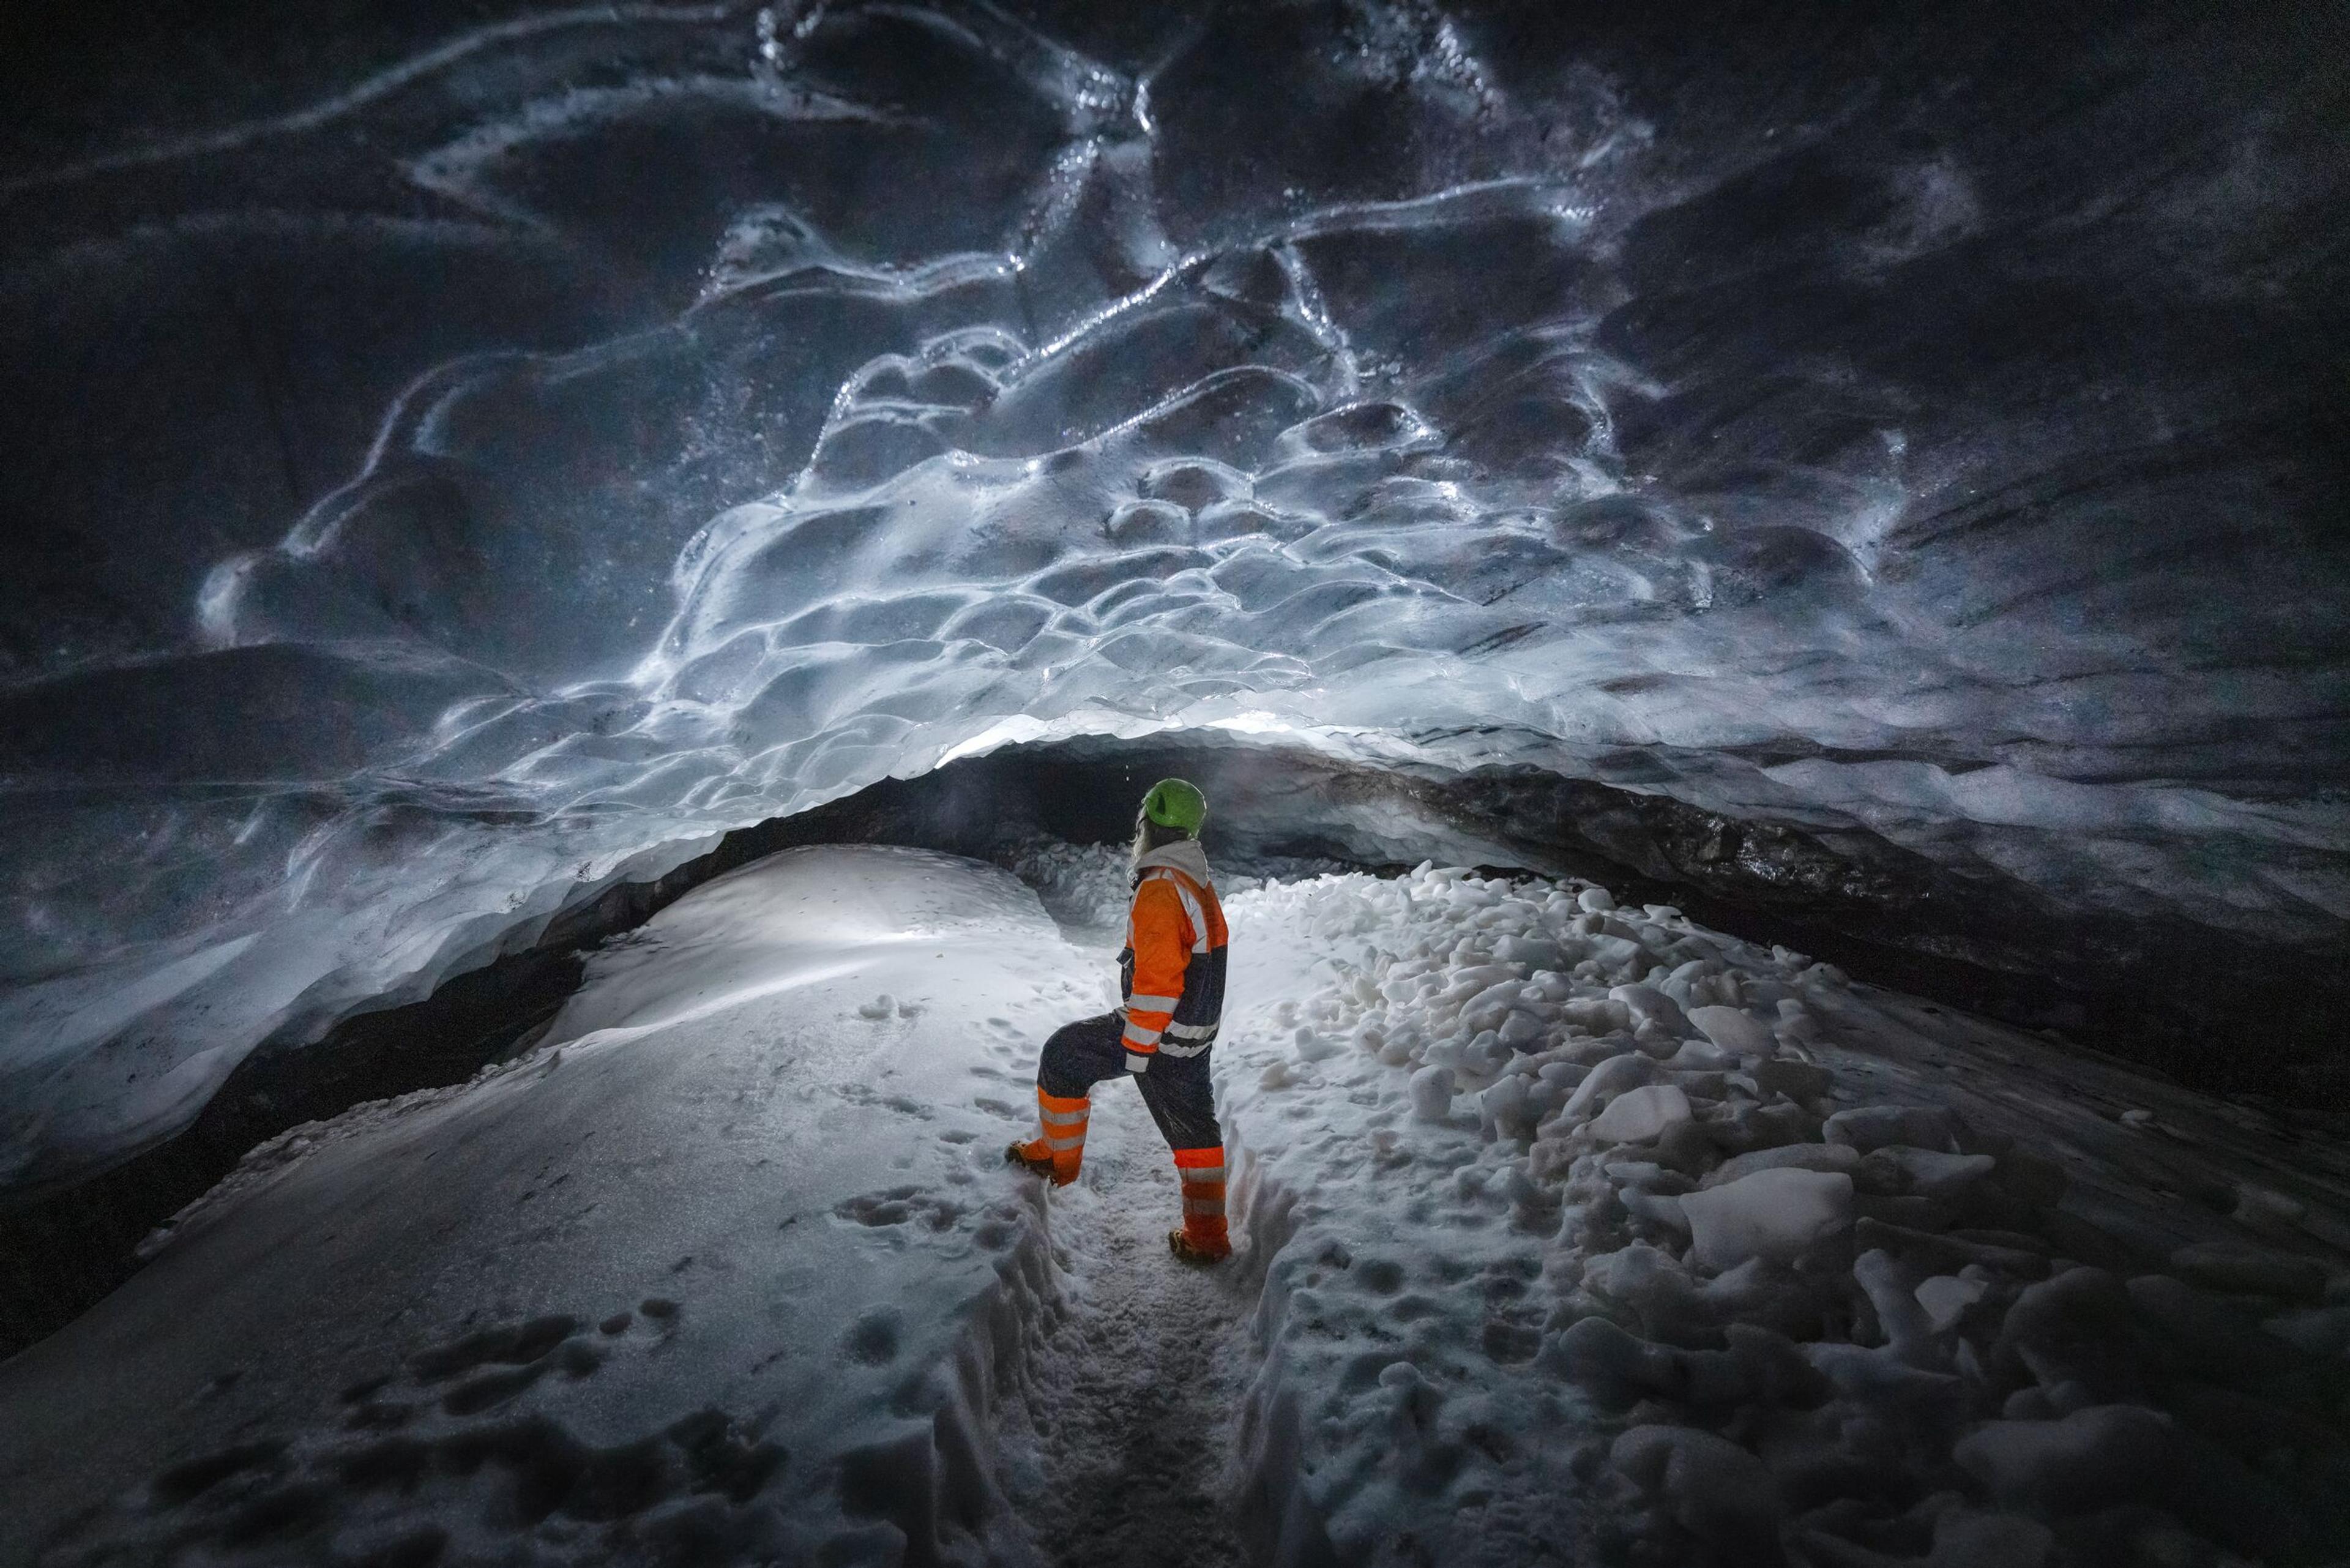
x=1176, y=803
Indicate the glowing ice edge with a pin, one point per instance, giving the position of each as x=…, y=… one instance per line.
x=1056, y=508
x=1020, y=729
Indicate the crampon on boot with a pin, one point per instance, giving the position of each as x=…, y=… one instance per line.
x=1197, y=1249
x=1062, y=1149
x=1035, y=1156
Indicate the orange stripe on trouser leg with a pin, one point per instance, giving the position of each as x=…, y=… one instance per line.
x=1063, y=1122
x=1203, y=1174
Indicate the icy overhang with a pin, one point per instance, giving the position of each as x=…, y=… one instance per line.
x=604, y=430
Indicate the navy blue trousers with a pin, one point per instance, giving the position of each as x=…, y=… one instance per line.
x=1175, y=1088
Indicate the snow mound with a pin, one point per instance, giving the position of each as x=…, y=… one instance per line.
x=1547, y=1264
x=1086, y=887
x=1591, y=1234
x=728, y=1269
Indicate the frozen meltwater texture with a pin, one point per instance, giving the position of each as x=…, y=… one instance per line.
x=697, y=417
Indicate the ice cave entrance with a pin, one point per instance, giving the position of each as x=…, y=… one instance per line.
x=1568, y=1223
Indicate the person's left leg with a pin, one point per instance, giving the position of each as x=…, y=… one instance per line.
x=1182, y=1101
x=1074, y=1059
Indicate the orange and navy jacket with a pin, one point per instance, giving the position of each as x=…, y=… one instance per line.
x=1173, y=971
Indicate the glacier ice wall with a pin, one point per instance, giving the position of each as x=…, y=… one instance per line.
x=459, y=468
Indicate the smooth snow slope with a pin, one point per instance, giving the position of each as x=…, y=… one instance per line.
x=729, y=1265
x=522, y=461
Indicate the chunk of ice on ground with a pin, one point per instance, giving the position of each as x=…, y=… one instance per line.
x=1946, y=1298
x=1701, y=1056
x=1595, y=901
x=1799, y=1081
x=2319, y=1331
x=1650, y=1005
x=2096, y=1457
x=1965, y=1539
x=1611, y=1077
x=1315, y=1046
x=1788, y=1156
x=880, y=1007
x=1502, y=1109
x=1867, y=1127
x=1432, y=1093
x=2267, y=1212
x=1642, y=1114
x=1714, y=1490
x=1776, y=1214
x=2252, y=1271
x=1933, y=1174
x=1733, y=1030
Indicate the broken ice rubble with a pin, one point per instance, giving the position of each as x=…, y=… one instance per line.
x=1697, y=1253
x=1583, y=1234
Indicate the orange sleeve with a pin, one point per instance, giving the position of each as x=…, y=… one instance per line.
x=1162, y=949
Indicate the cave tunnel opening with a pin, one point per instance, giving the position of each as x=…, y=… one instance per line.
x=1886, y=916
x=1761, y=595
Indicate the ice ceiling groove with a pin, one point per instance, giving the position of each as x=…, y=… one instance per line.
x=609, y=427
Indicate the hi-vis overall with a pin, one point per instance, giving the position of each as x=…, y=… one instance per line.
x=1173, y=977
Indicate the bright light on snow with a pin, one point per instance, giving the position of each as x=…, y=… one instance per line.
x=1565, y=1227
x=1876, y=470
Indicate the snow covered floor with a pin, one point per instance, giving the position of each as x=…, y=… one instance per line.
x=1593, y=1235
x=729, y=1269
x=1570, y=1233
x=1122, y=1452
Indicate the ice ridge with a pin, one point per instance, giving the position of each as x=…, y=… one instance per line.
x=921, y=379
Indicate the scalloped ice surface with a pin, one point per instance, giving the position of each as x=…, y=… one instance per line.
x=696, y=414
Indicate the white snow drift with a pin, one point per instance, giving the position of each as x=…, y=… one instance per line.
x=725, y=1268
x=1568, y=1233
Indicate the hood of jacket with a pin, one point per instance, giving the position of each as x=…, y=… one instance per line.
x=1184, y=855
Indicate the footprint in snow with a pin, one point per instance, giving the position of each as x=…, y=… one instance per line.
x=901, y=1206
x=451, y=1434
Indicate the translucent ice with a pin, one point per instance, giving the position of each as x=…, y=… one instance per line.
x=1732, y=1029
x=1616, y=1075
x=1778, y=1214
x=1641, y=1115
x=1946, y=1298
x=495, y=477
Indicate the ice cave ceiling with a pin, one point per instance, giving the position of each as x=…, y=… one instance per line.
x=460, y=454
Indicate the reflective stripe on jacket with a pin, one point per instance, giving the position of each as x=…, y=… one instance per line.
x=1173, y=971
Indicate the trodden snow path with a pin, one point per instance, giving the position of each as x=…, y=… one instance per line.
x=1136, y=1394
x=729, y=1269
x=1583, y=1234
